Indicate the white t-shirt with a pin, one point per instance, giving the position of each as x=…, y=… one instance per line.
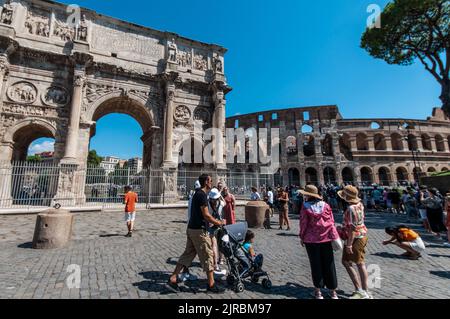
x=270, y=197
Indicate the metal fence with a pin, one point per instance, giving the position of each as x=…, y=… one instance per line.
x=43, y=184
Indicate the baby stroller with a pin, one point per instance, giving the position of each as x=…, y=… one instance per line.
x=240, y=264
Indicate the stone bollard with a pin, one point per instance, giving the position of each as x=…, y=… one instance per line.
x=53, y=229
x=255, y=214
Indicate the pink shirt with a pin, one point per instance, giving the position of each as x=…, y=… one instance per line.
x=317, y=223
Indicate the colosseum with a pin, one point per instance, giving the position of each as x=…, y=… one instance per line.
x=319, y=146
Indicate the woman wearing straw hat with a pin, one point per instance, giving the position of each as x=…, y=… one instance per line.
x=317, y=232
x=355, y=237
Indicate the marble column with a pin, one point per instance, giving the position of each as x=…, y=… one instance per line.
x=168, y=126
x=219, y=123
x=71, y=149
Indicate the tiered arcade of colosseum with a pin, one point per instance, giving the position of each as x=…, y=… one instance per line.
x=319, y=146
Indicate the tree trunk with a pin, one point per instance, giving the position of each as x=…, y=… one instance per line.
x=445, y=97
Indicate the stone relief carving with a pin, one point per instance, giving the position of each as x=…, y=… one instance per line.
x=38, y=24
x=200, y=62
x=6, y=122
x=95, y=91
x=56, y=96
x=82, y=30
x=182, y=114
x=31, y=111
x=63, y=31
x=184, y=57
x=22, y=92
x=202, y=114
x=218, y=63
x=7, y=13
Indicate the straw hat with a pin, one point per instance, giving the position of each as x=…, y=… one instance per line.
x=350, y=194
x=311, y=190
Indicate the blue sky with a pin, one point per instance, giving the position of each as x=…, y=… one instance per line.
x=281, y=54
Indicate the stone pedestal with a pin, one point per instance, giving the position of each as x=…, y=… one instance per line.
x=255, y=213
x=53, y=229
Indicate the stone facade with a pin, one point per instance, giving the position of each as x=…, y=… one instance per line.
x=319, y=146
x=57, y=81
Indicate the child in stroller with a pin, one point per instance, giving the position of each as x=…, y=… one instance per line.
x=236, y=245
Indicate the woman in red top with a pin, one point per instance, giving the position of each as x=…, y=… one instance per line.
x=230, y=205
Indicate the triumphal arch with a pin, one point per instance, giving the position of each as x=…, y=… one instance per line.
x=61, y=70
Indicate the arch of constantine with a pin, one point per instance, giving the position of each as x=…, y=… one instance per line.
x=56, y=81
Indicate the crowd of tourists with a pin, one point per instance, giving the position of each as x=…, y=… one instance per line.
x=213, y=207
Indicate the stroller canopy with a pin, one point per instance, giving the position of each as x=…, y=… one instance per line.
x=237, y=231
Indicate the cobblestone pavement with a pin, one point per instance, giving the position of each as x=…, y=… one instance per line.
x=113, y=266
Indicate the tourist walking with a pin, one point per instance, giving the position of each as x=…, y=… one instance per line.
x=130, y=201
x=283, y=200
x=420, y=196
x=255, y=195
x=216, y=210
x=355, y=237
x=198, y=240
x=317, y=232
x=447, y=209
x=434, y=206
x=230, y=207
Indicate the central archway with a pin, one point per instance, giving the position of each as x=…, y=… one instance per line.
x=139, y=109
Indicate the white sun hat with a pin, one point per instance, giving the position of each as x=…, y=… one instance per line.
x=214, y=194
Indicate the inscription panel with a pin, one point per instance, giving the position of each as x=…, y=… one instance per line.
x=126, y=43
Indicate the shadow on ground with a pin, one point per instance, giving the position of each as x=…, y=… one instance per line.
x=443, y=274
x=28, y=245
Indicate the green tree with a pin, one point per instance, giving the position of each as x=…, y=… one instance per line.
x=94, y=159
x=34, y=159
x=411, y=30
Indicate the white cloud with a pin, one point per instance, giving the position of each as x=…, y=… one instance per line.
x=46, y=146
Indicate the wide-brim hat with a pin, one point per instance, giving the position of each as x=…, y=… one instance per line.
x=311, y=190
x=350, y=195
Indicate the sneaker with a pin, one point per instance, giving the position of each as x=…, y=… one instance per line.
x=216, y=289
x=359, y=295
x=219, y=272
x=128, y=235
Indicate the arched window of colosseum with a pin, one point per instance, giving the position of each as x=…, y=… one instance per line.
x=380, y=142
x=426, y=142
x=431, y=170
x=307, y=129
x=294, y=177
x=444, y=169
x=384, y=176
x=345, y=146
x=397, y=142
x=329, y=175
x=412, y=142
x=375, y=126
x=347, y=175
x=327, y=145
x=260, y=118
x=274, y=116
x=440, y=144
x=31, y=140
x=366, y=176
x=236, y=124
x=291, y=145
x=402, y=175
x=308, y=146
x=361, y=142
x=311, y=176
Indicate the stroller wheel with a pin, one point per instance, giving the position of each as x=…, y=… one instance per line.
x=239, y=287
x=267, y=284
x=255, y=279
x=230, y=280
